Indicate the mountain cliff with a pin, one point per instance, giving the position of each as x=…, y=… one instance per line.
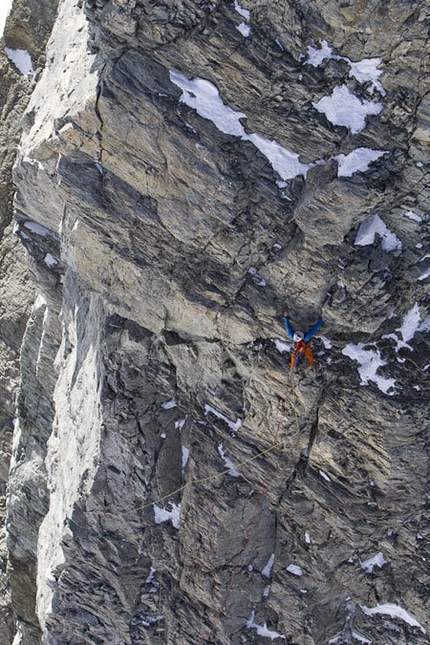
x=186, y=171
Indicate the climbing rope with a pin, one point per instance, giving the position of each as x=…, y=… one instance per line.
x=254, y=515
x=270, y=451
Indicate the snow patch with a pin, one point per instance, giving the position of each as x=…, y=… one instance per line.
x=317, y=55
x=262, y=630
x=413, y=216
x=267, y=571
x=34, y=227
x=244, y=29
x=324, y=475
x=233, y=425
x=344, y=108
x=229, y=464
x=377, y=560
x=163, y=515
x=295, y=570
x=203, y=96
x=185, y=457
x=243, y=12
x=375, y=225
x=167, y=405
x=179, y=424
x=281, y=346
x=50, y=260
x=22, y=60
x=410, y=326
x=395, y=611
x=325, y=341
x=151, y=574
x=369, y=362
x=357, y=161
x=363, y=71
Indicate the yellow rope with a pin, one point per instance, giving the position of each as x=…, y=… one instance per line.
x=206, y=479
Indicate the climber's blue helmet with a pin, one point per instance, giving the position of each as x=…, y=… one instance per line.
x=298, y=336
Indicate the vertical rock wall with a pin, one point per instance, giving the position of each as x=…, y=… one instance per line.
x=177, y=185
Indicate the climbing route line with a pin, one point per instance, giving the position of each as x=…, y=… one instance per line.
x=250, y=528
x=203, y=480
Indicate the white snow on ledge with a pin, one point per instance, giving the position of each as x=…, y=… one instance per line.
x=22, y=60
x=369, y=362
x=267, y=571
x=233, y=472
x=357, y=161
x=203, y=96
x=410, y=326
x=262, y=630
x=377, y=560
x=395, y=611
x=233, y=425
x=363, y=71
x=163, y=515
x=375, y=225
x=344, y=108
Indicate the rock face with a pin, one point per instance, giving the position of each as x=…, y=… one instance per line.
x=186, y=171
x=27, y=29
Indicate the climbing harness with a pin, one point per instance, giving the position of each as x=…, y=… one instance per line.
x=300, y=349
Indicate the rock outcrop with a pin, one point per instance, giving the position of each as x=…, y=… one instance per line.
x=186, y=171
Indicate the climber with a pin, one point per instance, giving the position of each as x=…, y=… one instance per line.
x=301, y=341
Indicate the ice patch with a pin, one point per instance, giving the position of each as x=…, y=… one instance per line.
x=233, y=425
x=22, y=60
x=203, y=96
x=357, y=161
x=163, y=515
x=377, y=560
x=375, y=225
x=395, y=611
x=344, y=108
x=369, y=363
x=267, y=571
x=295, y=570
x=229, y=464
x=262, y=629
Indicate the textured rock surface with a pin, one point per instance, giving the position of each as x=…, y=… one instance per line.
x=165, y=245
x=27, y=28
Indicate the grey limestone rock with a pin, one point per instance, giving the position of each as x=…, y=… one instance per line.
x=179, y=182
